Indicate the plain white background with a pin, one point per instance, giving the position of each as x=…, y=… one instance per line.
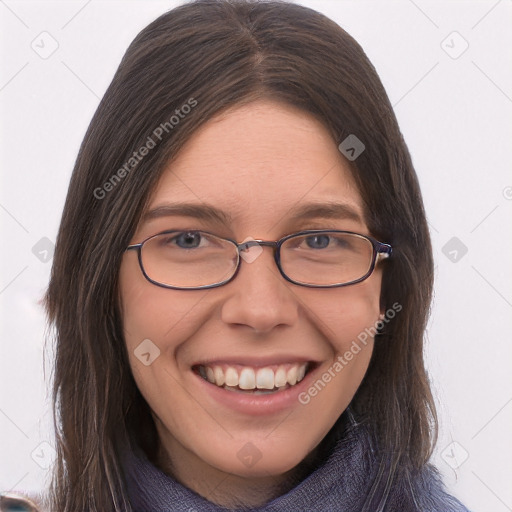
x=447, y=69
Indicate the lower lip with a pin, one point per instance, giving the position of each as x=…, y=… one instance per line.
x=256, y=405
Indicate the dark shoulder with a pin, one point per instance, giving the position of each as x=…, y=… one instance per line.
x=12, y=502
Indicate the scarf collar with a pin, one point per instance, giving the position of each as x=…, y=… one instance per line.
x=351, y=479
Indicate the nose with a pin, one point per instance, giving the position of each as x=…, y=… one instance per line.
x=259, y=297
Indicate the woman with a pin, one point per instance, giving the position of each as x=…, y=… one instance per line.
x=242, y=279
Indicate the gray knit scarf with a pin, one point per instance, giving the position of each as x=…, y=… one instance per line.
x=351, y=479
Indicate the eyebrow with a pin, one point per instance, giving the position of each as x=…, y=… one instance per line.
x=326, y=210
x=197, y=211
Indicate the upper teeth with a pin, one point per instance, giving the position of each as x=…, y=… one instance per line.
x=245, y=377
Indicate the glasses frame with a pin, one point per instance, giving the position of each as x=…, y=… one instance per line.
x=380, y=251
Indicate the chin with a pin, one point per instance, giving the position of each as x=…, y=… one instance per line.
x=259, y=458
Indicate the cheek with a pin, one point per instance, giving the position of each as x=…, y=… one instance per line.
x=152, y=312
x=161, y=322
x=347, y=314
x=156, y=320
x=347, y=318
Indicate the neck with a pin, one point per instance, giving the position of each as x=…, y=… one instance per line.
x=226, y=489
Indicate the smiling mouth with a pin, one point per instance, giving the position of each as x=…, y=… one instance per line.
x=257, y=381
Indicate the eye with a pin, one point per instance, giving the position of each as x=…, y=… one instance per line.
x=183, y=240
x=318, y=241
x=189, y=240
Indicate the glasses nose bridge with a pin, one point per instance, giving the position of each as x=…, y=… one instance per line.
x=244, y=246
x=248, y=244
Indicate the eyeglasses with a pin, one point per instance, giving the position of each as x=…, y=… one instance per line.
x=193, y=260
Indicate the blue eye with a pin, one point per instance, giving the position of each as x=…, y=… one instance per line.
x=188, y=240
x=318, y=241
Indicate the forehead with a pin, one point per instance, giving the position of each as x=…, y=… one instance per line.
x=258, y=163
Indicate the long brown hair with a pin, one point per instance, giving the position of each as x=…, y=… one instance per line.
x=220, y=53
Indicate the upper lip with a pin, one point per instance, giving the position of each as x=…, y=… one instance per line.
x=256, y=362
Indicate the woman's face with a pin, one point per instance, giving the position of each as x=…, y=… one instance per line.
x=259, y=165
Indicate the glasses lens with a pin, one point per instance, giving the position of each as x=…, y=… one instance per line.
x=326, y=258
x=189, y=259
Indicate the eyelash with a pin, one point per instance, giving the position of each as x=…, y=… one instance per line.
x=229, y=234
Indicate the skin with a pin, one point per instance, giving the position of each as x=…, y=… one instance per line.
x=254, y=162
